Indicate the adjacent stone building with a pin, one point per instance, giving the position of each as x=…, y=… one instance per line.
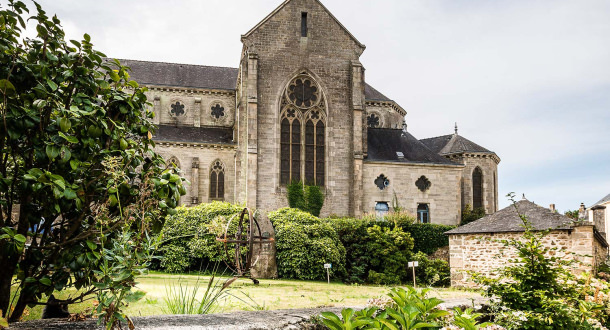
x=599, y=213
x=298, y=107
x=477, y=246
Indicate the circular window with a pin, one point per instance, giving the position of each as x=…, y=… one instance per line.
x=303, y=92
x=218, y=111
x=177, y=109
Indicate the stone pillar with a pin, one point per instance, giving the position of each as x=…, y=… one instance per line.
x=195, y=182
x=358, y=111
x=599, y=218
x=157, y=109
x=197, y=112
x=252, y=131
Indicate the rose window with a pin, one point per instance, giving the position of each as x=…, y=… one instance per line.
x=303, y=93
x=177, y=109
x=218, y=111
x=372, y=120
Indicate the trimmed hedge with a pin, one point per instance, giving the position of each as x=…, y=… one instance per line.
x=190, y=236
x=428, y=237
x=304, y=244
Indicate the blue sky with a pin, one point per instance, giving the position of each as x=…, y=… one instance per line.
x=527, y=79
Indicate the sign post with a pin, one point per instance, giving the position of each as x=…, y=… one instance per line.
x=328, y=267
x=413, y=264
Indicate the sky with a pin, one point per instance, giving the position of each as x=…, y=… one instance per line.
x=527, y=79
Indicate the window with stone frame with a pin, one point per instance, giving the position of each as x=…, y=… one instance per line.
x=302, y=132
x=423, y=213
x=477, y=188
x=217, y=181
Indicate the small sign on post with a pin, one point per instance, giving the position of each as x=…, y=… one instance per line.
x=328, y=267
x=413, y=264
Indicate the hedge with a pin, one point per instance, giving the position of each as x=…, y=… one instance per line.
x=304, y=244
x=428, y=237
x=189, y=236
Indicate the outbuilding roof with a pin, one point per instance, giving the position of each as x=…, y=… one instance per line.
x=603, y=200
x=384, y=143
x=508, y=220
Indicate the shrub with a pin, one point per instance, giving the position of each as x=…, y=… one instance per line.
x=304, y=244
x=431, y=272
x=427, y=237
x=469, y=214
x=296, y=195
x=390, y=250
x=314, y=200
x=190, y=236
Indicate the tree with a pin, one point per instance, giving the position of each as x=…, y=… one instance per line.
x=469, y=214
x=80, y=186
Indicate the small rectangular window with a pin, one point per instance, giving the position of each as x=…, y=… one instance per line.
x=304, y=24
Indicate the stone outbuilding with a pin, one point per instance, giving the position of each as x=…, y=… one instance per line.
x=477, y=246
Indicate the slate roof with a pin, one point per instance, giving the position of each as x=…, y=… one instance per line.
x=201, y=76
x=383, y=143
x=508, y=220
x=451, y=144
x=182, y=75
x=603, y=200
x=214, y=135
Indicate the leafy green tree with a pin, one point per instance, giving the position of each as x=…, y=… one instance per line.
x=314, y=200
x=469, y=214
x=77, y=169
x=572, y=214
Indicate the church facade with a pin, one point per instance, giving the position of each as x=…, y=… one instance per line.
x=298, y=108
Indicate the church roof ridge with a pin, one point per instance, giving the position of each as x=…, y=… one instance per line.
x=283, y=4
x=453, y=143
x=175, y=63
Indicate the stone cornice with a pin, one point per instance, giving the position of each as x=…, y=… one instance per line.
x=196, y=145
x=491, y=155
x=390, y=104
x=192, y=90
x=386, y=163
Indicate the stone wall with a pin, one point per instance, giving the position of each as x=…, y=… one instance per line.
x=389, y=116
x=485, y=254
x=443, y=196
x=197, y=103
x=187, y=153
x=489, y=165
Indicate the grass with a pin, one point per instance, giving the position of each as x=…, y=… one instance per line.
x=269, y=294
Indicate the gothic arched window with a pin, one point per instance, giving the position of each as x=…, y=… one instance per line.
x=173, y=161
x=217, y=181
x=477, y=188
x=302, y=132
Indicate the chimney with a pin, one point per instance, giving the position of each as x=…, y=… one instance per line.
x=581, y=211
x=552, y=207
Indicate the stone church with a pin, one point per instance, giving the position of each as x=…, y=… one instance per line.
x=298, y=107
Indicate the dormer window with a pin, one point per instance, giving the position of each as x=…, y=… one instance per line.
x=304, y=24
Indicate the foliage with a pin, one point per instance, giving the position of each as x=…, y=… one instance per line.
x=67, y=117
x=428, y=237
x=572, y=214
x=296, y=195
x=305, y=198
x=411, y=309
x=182, y=299
x=314, y=200
x=391, y=249
x=189, y=236
x=304, y=244
x=469, y=214
x=538, y=290
x=399, y=218
x=431, y=272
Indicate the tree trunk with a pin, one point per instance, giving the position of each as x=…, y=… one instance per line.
x=6, y=277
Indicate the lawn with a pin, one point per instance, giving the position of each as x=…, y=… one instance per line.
x=269, y=294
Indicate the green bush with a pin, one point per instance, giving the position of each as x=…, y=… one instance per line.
x=296, y=195
x=428, y=237
x=190, y=236
x=431, y=272
x=376, y=251
x=304, y=244
x=469, y=214
x=314, y=200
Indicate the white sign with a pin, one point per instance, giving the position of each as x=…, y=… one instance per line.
x=413, y=263
x=328, y=266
